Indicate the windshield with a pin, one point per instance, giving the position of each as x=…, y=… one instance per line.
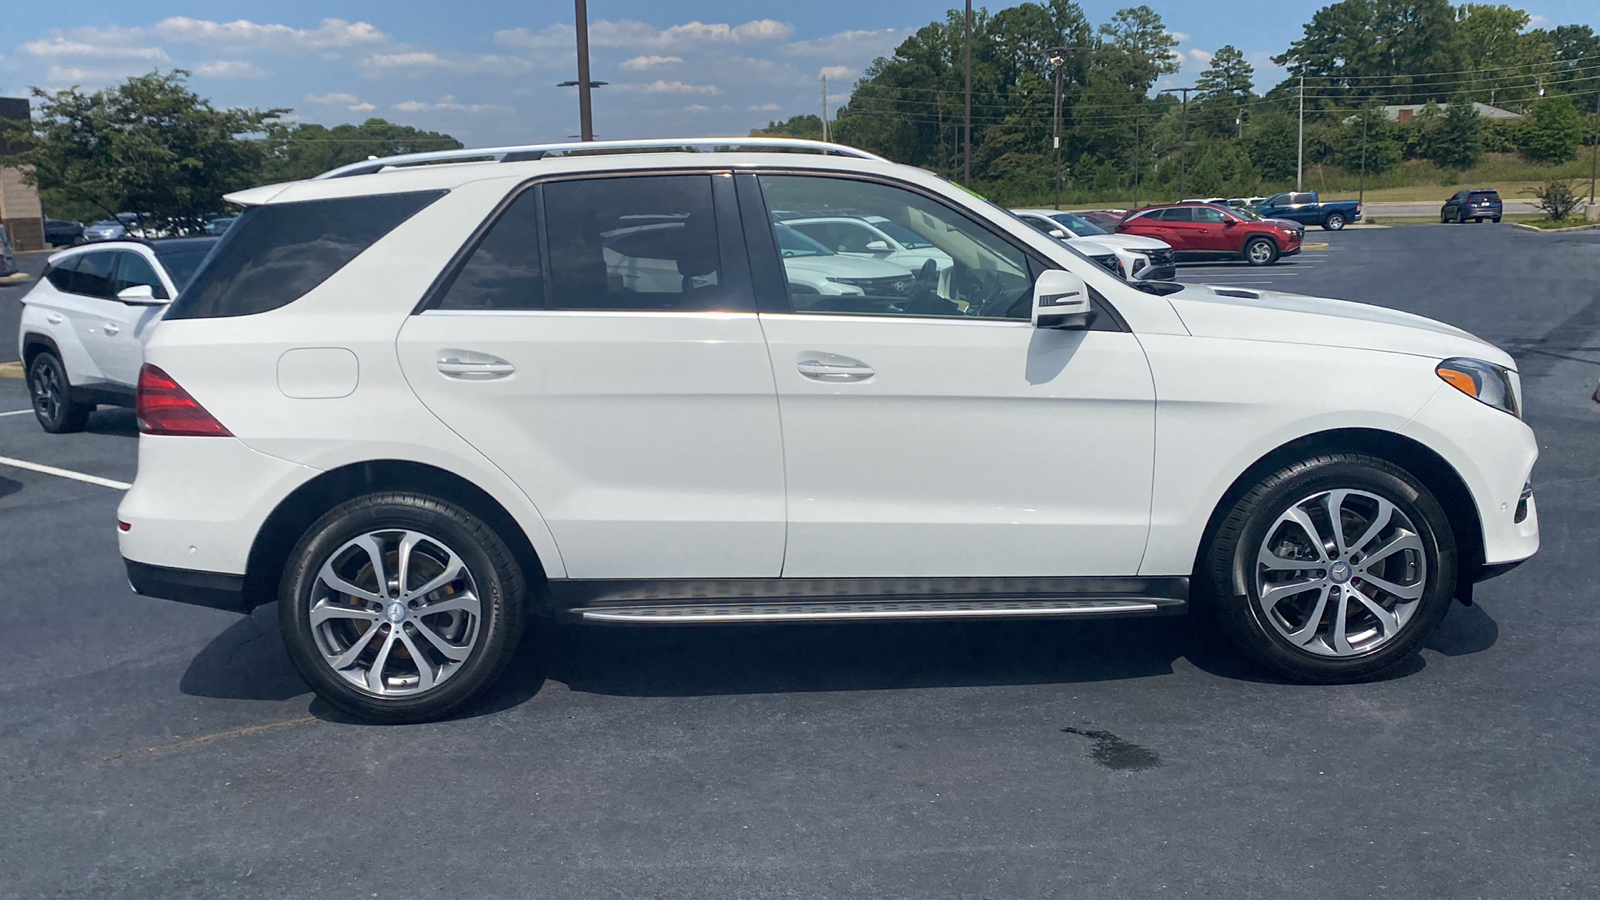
x=1245, y=213
x=1078, y=224
x=181, y=262
x=792, y=243
x=907, y=238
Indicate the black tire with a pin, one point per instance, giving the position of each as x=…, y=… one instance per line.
x=51, y=392
x=1258, y=258
x=498, y=579
x=1495, y=220
x=1226, y=573
x=1444, y=219
x=1334, y=222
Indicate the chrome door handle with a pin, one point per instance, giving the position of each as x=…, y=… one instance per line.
x=112, y=329
x=471, y=366
x=53, y=318
x=840, y=370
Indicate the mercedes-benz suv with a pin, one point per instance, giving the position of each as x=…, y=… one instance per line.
x=418, y=400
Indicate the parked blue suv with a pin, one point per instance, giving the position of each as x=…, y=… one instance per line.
x=1474, y=205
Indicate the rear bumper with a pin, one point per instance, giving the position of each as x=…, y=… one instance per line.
x=217, y=590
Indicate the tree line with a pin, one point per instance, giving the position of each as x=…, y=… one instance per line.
x=1355, y=57
x=152, y=145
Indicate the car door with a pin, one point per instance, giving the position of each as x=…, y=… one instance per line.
x=636, y=408
x=916, y=437
x=1210, y=231
x=94, y=315
x=125, y=328
x=1177, y=227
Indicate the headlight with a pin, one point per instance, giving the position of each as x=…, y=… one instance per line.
x=1482, y=381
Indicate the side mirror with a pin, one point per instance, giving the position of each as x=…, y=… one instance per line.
x=1229, y=223
x=878, y=246
x=1060, y=300
x=1058, y=234
x=139, y=295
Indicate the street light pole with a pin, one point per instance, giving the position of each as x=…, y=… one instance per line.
x=585, y=110
x=966, y=155
x=1362, y=196
x=1594, y=158
x=1058, y=59
x=1300, y=151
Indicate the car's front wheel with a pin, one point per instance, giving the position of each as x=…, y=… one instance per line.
x=1333, y=569
x=51, y=392
x=400, y=607
x=1335, y=222
x=1260, y=251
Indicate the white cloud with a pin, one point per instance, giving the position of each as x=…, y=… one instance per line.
x=1201, y=57
x=448, y=103
x=90, y=44
x=835, y=72
x=765, y=107
x=1178, y=36
x=411, y=60
x=639, y=63
x=348, y=101
x=64, y=76
x=1538, y=21
x=246, y=35
x=668, y=87
x=634, y=34
x=854, y=45
x=697, y=108
x=230, y=68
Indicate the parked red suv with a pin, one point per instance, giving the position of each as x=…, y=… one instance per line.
x=1206, y=229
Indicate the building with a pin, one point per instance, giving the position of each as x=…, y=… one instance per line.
x=1406, y=113
x=19, y=202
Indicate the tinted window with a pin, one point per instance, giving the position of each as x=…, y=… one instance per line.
x=181, y=262
x=503, y=270
x=92, y=277
x=1304, y=198
x=61, y=276
x=1208, y=215
x=1175, y=214
x=1486, y=195
x=133, y=270
x=638, y=243
x=1078, y=225
x=1277, y=200
x=988, y=277
x=1040, y=225
x=273, y=255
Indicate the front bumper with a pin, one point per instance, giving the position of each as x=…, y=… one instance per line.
x=217, y=590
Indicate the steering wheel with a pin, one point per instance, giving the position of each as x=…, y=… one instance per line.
x=985, y=291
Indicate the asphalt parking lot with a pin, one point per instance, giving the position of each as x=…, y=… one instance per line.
x=150, y=749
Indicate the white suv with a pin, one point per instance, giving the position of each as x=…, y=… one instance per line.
x=84, y=325
x=1142, y=258
x=420, y=399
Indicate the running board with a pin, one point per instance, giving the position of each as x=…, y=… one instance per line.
x=859, y=611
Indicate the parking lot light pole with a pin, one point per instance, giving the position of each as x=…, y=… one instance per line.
x=1058, y=59
x=585, y=109
x=1591, y=212
x=966, y=153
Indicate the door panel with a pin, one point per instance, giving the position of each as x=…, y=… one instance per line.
x=973, y=448
x=614, y=370
x=91, y=314
x=125, y=328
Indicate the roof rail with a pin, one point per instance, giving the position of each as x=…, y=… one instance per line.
x=539, y=151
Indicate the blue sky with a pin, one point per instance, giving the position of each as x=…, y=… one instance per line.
x=486, y=71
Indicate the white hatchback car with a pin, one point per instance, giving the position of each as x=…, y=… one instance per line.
x=417, y=400
x=84, y=325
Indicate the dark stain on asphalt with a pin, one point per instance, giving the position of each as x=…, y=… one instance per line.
x=1115, y=753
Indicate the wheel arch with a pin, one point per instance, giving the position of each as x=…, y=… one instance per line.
x=1423, y=463
x=284, y=527
x=34, y=343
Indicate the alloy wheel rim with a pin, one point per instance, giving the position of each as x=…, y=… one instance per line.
x=47, y=393
x=395, y=613
x=1260, y=252
x=1340, y=573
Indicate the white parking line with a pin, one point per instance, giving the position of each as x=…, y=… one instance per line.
x=15, y=412
x=63, y=473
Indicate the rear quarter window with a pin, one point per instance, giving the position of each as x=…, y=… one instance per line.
x=276, y=254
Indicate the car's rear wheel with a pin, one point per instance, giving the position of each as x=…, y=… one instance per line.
x=51, y=391
x=1335, y=222
x=400, y=607
x=1260, y=251
x=1495, y=220
x=1333, y=569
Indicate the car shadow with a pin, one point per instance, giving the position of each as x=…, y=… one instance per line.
x=9, y=486
x=247, y=660
x=113, y=420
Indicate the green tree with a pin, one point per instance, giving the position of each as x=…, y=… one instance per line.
x=1272, y=143
x=1506, y=62
x=1225, y=87
x=1574, y=50
x=1371, y=139
x=1369, y=48
x=1552, y=130
x=1146, y=47
x=808, y=126
x=148, y=145
x=302, y=151
x=1458, y=143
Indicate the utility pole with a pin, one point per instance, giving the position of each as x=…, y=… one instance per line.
x=585, y=109
x=1300, y=152
x=1138, y=160
x=1592, y=212
x=966, y=155
x=1362, y=196
x=1183, y=146
x=1058, y=59
x=824, y=107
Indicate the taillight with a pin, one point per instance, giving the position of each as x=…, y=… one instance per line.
x=164, y=407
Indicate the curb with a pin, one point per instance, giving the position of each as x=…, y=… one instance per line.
x=15, y=278
x=11, y=370
x=1589, y=227
x=1314, y=245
